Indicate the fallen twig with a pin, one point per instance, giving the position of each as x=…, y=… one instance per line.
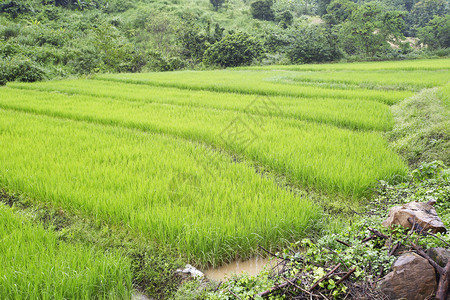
x=343, y=243
x=392, y=251
x=325, y=277
x=346, y=275
x=234, y=294
x=368, y=238
x=377, y=233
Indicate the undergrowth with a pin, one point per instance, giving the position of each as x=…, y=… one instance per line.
x=307, y=261
x=153, y=267
x=422, y=130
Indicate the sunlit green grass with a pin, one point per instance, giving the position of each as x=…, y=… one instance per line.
x=256, y=83
x=36, y=265
x=179, y=193
x=444, y=94
x=159, y=152
x=353, y=114
x=405, y=65
x=315, y=155
x=414, y=80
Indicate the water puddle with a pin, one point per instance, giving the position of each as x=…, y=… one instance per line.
x=251, y=267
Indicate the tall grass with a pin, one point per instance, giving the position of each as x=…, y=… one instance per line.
x=36, y=265
x=179, y=193
x=315, y=155
x=353, y=114
x=254, y=83
x=444, y=94
x=413, y=80
x=405, y=65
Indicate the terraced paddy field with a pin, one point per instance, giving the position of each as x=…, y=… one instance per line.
x=191, y=159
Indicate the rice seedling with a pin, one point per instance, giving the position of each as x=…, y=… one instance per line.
x=182, y=194
x=405, y=65
x=412, y=80
x=36, y=265
x=353, y=114
x=155, y=152
x=254, y=83
x=308, y=153
x=444, y=93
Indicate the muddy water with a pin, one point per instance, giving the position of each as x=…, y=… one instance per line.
x=251, y=267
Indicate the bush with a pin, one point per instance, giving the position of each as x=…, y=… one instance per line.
x=20, y=69
x=234, y=50
x=157, y=62
x=217, y=4
x=13, y=8
x=437, y=33
x=262, y=10
x=312, y=43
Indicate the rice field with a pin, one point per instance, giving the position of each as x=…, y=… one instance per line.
x=36, y=265
x=268, y=83
x=403, y=65
x=174, y=156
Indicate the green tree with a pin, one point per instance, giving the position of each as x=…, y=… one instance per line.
x=161, y=31
x=115, y=52
x=285, y=19
x=322, y=7
x=339, y=11
x=370, y=28
x=234, y=50
x=217, y=4
x=423, y=11
x=312, y=43
x=262, y=10
x=437, y=33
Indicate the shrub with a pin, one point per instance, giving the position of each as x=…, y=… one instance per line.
x=20, y=69
x=312, y=43
x=234, y=50
x=262, y=10
x=217, y=4
x=13, y=8
x=437, y=33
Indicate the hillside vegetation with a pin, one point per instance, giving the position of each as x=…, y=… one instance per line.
x=43, y=39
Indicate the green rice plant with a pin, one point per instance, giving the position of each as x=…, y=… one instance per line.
x=181, y=194
x=353, y=114
x=412, y=80
x=404, y=65
x=255, y=83
x=316, y=155
x=444, y=93
x=36, y=265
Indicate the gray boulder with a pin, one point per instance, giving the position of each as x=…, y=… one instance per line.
x=412, y=278
x=440, y=255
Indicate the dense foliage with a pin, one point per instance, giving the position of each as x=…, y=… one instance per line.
x=233, y=50
x=306, y=262
x=59, y=38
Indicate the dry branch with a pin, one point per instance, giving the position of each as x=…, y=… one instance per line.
x=346, y=275
x=377, y=233
x=325, y=277
x=444, y=274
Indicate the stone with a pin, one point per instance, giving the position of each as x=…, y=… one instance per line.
x=190, y=271
x=424, y=214
x=412, y=278
x=440, y=255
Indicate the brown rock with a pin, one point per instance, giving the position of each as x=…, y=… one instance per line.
x=440, y=255
x=423, y=213
x=412, y=278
